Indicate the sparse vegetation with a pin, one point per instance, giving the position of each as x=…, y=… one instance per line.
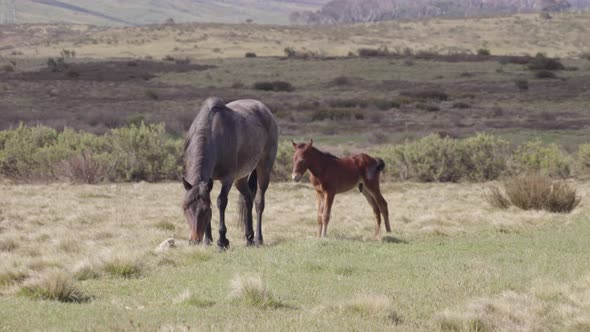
x=522, y=84
x=274, y=86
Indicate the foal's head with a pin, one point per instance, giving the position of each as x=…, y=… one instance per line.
x=197, y=208
x=301, y=159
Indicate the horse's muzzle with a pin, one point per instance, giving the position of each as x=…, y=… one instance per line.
x=296, y=177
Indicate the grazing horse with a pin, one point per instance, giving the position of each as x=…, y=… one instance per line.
x=233, y=142
x=331, y=175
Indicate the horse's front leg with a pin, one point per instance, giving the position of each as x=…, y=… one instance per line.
x=208, y=236
x=223, y=242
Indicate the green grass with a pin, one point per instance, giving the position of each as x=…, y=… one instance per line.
x=421, y=278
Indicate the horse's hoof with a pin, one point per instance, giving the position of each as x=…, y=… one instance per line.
x=193, y=242
x=250, y=243
x=259, y=242
x=207, y=242
x=223, y=245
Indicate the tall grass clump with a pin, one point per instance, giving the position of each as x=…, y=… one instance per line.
x=253, y=292
x=124, y=267
x=54, y=285
x=534, y=192
x=534, y=156
x=371, y=306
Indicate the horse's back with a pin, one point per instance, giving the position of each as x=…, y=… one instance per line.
x=255, y=114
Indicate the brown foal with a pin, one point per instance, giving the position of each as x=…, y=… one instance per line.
x=331, y=175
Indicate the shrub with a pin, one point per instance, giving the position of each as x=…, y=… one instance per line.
x=274, y=86
x=374, y=52
x=484, y=52
x=484, y=157
x=437, y=159
x=585, y=55
x=542, y=62
x=56, y=286
x=521, y=84
x=461, y=105
x=544, y=74
x=341, y=81
x=283, y=166
x=145, y=152
x=385, y=104
x=151, y=94
x=137, y=152
x=426, y=94
x=250, y=55
x=535, y=192
x=57, y=64
x=7, y=68
x=535, y=156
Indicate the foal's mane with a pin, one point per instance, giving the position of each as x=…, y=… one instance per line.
x=325, y=154
x=197, y=138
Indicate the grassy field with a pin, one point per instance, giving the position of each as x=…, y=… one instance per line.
x=565, y=35
x=452, y=262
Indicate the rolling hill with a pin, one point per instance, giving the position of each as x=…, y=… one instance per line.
x=138, y=12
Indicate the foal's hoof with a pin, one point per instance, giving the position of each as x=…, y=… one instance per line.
x=223, y=245
x=193, y=242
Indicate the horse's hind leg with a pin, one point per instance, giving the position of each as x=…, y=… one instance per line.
x=223, y=242
x=376, y=212
x=245, y=208
x=263, y=181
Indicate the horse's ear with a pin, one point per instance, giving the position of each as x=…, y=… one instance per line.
x=294, y=144
x=187, y=186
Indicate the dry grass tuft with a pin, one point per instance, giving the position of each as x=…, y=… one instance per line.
x=189, y=298
x=54, y=285
x=12, y=276
x=124, y=267
x=371, y=306
x=87, y=270
x=534, y=192
x=253, y=292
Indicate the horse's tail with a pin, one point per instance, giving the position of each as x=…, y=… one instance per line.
x=380, y=164
x=242, y=204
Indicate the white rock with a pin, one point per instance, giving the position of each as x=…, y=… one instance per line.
x=167, y=244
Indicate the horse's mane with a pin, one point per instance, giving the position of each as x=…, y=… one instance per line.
x=197, y=138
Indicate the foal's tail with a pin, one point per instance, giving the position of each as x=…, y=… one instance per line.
x=380, y=164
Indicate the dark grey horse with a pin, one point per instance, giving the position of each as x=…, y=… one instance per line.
x=233, y=142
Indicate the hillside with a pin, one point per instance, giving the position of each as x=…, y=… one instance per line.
x=138, y=12
x=355, y=11
x=565, y=35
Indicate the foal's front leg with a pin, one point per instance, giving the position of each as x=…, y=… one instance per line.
x=223, y=242
x=320, y=203
x=328, y=200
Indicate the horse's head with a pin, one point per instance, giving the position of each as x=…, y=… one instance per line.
x=197, y=208
x=300, y=159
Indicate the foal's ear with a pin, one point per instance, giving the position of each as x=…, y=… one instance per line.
x=294, y=144
x=309, y=145
x=187, y=186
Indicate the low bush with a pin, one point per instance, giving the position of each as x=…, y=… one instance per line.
x=137, y=152
x=250, y=55
x=545, y=158
x=374, y=52
x=444, y=159
x=534, y=192
x=484, y=52
x=545, y=74
x=426, y=94
x=521, y=84
x=542, y=62
x=273, y=86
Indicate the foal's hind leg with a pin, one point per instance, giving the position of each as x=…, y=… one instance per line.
x=373, y=188
x=376, y=212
